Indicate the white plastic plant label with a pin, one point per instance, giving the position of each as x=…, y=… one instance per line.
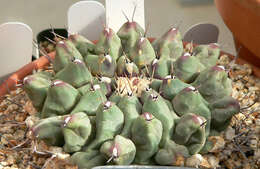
x=15, y=47
x=115, y=9
x=86, y=18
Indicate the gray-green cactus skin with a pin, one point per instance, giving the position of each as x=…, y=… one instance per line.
x=66, y=52
x=115, y=97
x=76, y=131
x=125, y=67
x=36, y=86
x=61, y=98
x=129, y=34
x=109, y=123
x=146, y=94
x=88, y=160
x=190, y=131
x=171, y=153
x=90, y=101
x=213, y=83
x=156, y=84
x=142, y=54
x=132, y=108
x=159, y=68
x=85, y=88
x=175, y=117
x=169, y=45
x=171, y=86
x=83, y=45
x=50, y=130
x=109, y=43
x=156, y=105
x=189, y=100
x=207, y=54
x=101, y=65
x=187, y=68
x=121, y=151
x=146, y=135
x=75, y=73
x=222, y=111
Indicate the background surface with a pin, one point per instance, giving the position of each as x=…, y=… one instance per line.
x=160, y=14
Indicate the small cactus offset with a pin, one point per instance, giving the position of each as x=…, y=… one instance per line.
x=127, y=100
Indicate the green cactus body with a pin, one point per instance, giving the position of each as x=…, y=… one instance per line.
x=207, y=54
x=75, y=73
x=105, y=84
x=171, y=86
x=109, y=122
x=50, y=130
x=129, y=34
x=187, y=68
x=121, y=150
x=156, y=105
x=102, y=65
x=76, y=131
x=115, y=97
x=92, y=135
x=131, y=107
x=142, y=54
x=126, y=68
x=190, y=132
x=189, y=100
x=146, y=135
x=83, y=45
x=65, y=53
x=222, y=111
x=207, y=146
x=61, y=98
x=36, y=88
x=175, y=117
x=169, y=45
x=90, y=101
x=88, y=160
x=44, y=74
x=171, y=153
x=109, y=43
x=213, y=83
x=159, y=68
x=146, y=94
x=155, y=84
x=84, y=89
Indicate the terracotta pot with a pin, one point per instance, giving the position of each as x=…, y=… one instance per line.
x=242, y=17
x=11, y=82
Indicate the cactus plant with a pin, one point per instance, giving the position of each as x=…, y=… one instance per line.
x=126, y=101
x=121, y=151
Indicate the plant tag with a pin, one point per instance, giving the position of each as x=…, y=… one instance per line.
x=86, y=18
x=15, y=47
